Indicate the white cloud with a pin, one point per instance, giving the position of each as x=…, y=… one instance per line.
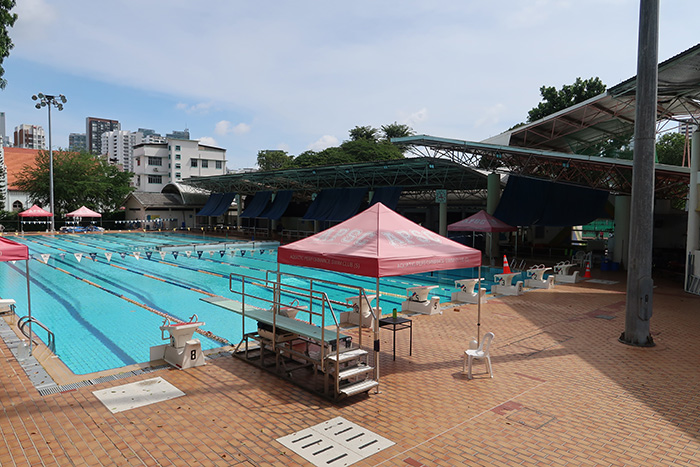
x=208, y=141
x=201, y=108
x=34, y=17
x=324, y=142
x=415, y=118
x=225, y=127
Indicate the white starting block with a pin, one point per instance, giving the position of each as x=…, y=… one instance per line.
x=183, y=351
x=504, y=284
x=535, y=278
x=7, y=305
x=561, y=273
x=361, y=311
x=467, y=291
x=417, y=300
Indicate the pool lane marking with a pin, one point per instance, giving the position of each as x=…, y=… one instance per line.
x=208, y=334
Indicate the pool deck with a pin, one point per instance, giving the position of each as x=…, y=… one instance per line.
x=564, y=392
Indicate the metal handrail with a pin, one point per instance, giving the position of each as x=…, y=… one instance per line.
x=51, y=340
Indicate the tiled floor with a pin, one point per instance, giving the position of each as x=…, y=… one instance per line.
x=565, y=392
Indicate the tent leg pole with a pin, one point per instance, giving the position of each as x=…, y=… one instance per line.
x=376, y=340
x=478, y=309
x=29, y=307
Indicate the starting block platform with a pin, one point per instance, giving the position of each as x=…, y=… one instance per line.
x=504, y=284
x=467, y=292
x=535, y=278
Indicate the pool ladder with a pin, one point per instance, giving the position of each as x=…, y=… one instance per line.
x=24, y=320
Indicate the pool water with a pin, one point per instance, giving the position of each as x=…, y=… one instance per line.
x=106, y=314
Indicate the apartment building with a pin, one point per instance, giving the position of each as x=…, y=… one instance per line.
x=29, y=137
x=116, y=147
x=94, y=127
x=157, y=164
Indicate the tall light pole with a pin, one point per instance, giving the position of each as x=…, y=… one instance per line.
x=46, y=100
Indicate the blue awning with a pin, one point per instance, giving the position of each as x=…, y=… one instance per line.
x=388, y=196
x=224, y=205
x=336, y=204
x=528, y=201
x=279, y=205
x=257, y=205
x=212, y=202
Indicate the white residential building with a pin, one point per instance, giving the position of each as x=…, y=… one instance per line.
x=157, y=164
x=116, y=147
x=29, y=137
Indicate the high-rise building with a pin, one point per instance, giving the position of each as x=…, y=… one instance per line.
x=94, y=127
x=4, y=140
x=77, y=142
x=116, y=146
x=145, y=135
x=179, y=134
x=29, y=136
x=687, y=127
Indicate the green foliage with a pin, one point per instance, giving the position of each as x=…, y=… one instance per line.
x=554, y=100
x=397, y=130
x=7, y=20
x=364, y=132
x=80, y=179
x=369, y=151
x=2, y=187
x=274, y=160
x=669, y=149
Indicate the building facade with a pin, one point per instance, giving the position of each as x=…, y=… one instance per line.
x=77, y=142
x=157, y=164
x=94, y=127
x=116, y=147
x=29, y=137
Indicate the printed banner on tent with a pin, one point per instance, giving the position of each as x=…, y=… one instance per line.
x=108, y=256
x=78, y=256
x=45, y=257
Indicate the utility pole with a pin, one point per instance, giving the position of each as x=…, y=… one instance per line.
x=640, y=285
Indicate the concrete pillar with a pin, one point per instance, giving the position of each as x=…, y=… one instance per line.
x=693, y=242
x=238, y=212
x=443, y=219
x=622, y=230
x=493, y=197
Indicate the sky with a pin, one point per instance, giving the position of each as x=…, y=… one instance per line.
x=298, y=75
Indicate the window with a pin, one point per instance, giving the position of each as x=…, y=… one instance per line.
x=177, y=148
x=177, y=157
x=155, y=161
x=205, y=164
x=219, y=164
x=178, y=175
x=193, y=162
x=177, y=166
x=155, y=179
x=17, y=206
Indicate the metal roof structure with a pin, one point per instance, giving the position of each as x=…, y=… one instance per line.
x=417, y=176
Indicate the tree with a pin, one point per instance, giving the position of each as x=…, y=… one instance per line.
x=554, y=101
x=7, y=20
x=364, y=150
x=669, y=149
x=80, y=179
x=274, y=159
x=364, y=132
x=397, y=130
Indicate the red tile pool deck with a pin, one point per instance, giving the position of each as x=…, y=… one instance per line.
x=564, y=392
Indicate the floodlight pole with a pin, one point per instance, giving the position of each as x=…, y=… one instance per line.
x=640, y=286
x=46, y=100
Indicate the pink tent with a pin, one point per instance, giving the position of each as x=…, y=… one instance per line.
x=35, y=211
x=481, y=222
x=13, y=251
x=83, y=212
x=379, y=242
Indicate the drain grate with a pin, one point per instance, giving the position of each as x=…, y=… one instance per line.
x=54, y=389
x=337, y=442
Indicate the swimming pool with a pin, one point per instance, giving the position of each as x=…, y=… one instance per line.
x=104, y=295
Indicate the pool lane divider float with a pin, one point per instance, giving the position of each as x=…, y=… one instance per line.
x=162, y=314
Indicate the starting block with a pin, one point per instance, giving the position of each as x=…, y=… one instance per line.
x=182, y=351
x=561, y=273
x=535, y=278
x=504, y=285
x=417, y=300
x=467, y=292
x=361, y=312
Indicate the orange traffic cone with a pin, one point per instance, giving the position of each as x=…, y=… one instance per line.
x=506, y=268
x=587, y=274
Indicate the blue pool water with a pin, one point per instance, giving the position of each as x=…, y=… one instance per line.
x=104, y=314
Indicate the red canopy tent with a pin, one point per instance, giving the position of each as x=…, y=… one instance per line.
x=35, y=211
x=13, y=251
x=481, y=222
x=379, y=242
x=83, y=212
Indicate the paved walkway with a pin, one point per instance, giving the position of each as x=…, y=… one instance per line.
x=565, y=392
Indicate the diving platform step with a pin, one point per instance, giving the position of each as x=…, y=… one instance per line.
x=357, y=370
x=357, y=388
x=347, y=356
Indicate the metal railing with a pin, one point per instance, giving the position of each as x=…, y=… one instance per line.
x=25, y=320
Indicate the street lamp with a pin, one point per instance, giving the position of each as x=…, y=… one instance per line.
x=46, y=100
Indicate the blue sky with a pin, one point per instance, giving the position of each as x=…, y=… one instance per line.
x=246, y=75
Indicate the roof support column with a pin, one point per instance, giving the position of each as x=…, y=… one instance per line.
x=238, y=211
x=621, y=239
x=493, y=196
x=443, y=218
x=693, y=242
x=640, y=286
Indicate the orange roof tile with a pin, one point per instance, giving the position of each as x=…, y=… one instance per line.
x=15, y=161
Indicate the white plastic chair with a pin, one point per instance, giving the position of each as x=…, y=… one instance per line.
x=481, y=352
